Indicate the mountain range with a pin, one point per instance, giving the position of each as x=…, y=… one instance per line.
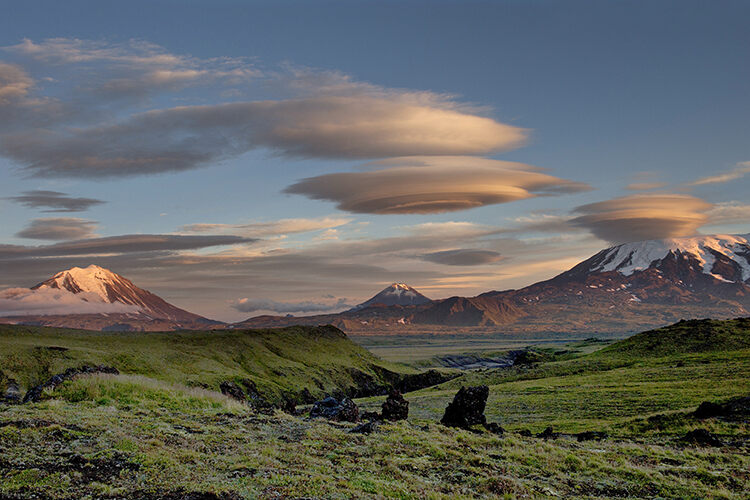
x=621, y=289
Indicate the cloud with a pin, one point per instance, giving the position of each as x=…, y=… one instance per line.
x=55, y=201
x=188, y=137
x=273, y=228
x=134, y=68
x=644, y=186
x=730, y=212
x=643, y=217
x=740, y=170
x=58, y=228
x=15, y=83
x=463, y=257
x=136, y=243
x=252, y=305
x=23, y=301
x=432, y=185
x=322, y=114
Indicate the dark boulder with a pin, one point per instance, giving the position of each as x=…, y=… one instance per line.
x=395, y=407
x=590, y=436
x=734, y=409
x=525, y=433
x=333, y=409
x=494, y=428
x=701, y=437
x=547, y=433
x=229, y=388
x=370, y=415
x=414, y=382
x=12, y=392
x=467, y=407
x=366, y=428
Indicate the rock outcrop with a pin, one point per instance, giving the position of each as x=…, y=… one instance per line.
x=333, y=409
x=467, y=408
x=395, y=407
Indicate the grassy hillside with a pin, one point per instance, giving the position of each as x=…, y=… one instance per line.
x=151, y=436
x=280, y=362
x=693, y=336
x=670, y=369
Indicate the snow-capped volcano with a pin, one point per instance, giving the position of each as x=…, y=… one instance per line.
x=94, y=298
x=398, y=294
x=723, y=257
x=109, y=287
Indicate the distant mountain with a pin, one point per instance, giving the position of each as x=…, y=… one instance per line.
x=96, y=285
x=398, y=294
x=621, y=289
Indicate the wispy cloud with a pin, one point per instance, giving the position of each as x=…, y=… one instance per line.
x=739, y=171
x=272, y=228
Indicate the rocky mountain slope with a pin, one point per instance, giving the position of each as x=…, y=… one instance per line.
x=398, y=294
x=621, y=289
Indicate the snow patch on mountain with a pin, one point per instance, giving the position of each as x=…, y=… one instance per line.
x=632, y=257
x=399, y=294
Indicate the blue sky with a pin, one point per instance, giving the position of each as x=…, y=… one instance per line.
x=637, y=111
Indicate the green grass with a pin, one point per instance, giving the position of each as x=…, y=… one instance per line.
x=149, y=434
x=128, y=435
x=280, y=362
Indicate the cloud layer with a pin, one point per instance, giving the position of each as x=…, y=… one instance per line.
x=322, y=115
x=421, y=185
x=463, y=257
x=252, y=305
x=54, y=201
x=643, y=217
x=47, y=301
x=58, y=228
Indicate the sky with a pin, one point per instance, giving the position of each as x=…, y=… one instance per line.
x=240, y=158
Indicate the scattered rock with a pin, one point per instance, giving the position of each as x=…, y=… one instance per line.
x=467, y=407
x=12, y=392
x=736, y=408
x=35, y=393
x=421, y=380
x=525, y=433
x=494, y=428
x=333, y=409
x=366, y=428
x=701, y=437
x=395, y=407
x=590, y=436
x=548, y=433
x=370, y=415
x=229, y=388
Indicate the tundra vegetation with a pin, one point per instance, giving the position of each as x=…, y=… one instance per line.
x=619, y=421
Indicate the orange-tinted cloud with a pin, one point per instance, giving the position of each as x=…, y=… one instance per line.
x=433, y=185
x=643, y=217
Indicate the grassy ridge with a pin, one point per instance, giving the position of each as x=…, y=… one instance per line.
x=280, y=362
x=670, y=369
